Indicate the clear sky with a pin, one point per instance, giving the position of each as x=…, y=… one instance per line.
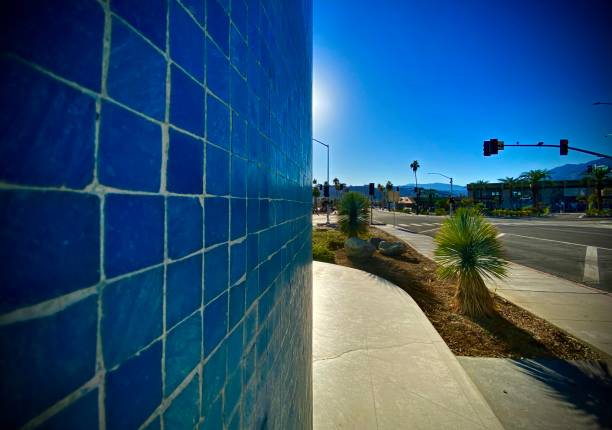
x=430, y=80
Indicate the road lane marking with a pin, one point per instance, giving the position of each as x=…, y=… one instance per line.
x=501, y=235
x=428, y=230
x=556, y=241
x=415, y=225
x=591, y=268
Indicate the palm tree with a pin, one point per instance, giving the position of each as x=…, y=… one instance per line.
x=380, y=189
x=479, y=185
x=353, y=214
x=316, y=193
x=468, y=250
x=509, y=182
x=535, y=178
x=598, y=174
x=415, y=166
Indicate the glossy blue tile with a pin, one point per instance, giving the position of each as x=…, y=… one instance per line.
x=252, y=249
x=215, y=323
x=186, y=41
x=238, y=51
x=239, y=93
x=239, y=135
x=217, y=122
x=240, y=15
x=217, y=24
x=235, y=348
x=252, y=288
x=217, y=171
x=183, y=289
x=186, y=102
x=49, y=140
x=184, y=411
x=65, y=38
x=136, y=72
x=130, y=150
x=213, y=414
x=238, y=177
x=215, y=272
x=233, y=391
x=217, y=71
x=134, y=390
x=184, y=225
x=83, y=413
x=236, y=304
x=185, y=169
x=131, y=314
x=49, y=358
x=216, y=226
x=238, y=261
x=149, y=18
x=213, y=378
x=134, y=232
x=238, y=227
x=196, y=8
x=41, y=231
x=183, y=348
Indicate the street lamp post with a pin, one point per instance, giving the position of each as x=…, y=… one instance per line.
x=451, y=190
x=328, y=199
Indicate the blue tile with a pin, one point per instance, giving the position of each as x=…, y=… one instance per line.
x=217, y=24
x=217, y=171
x=41, y=231
x=154, y=425
x=239, y=177
x=47, y=130
x=186, y=41
x=239, y=93
x=239, y=136
x=49, y=358
x=183, y=349
x=215, y=272
x=253, y=215
x=131, y=314
x=185, y=228
x=184, y=412
x=236, y=304
x=217, y=123
x=217, y=71
x=134, y=232
x=213, y=378
x=136, y=73
x=234, y=348
x=82, y=414
x=216, y=213
x=183, y=289
x=238, y=51
x=130, y=150
x=65, y=38
x=196, y=7
x=148, y=17
x=248, y=366
x=238, y=226
x=239, y=16
x=238, y=259
x=185, y=164
x=233, y=390
x=215, y=323
x=235, y=421
x=186, y=103
x=252, y=288
x=213, y=415
x=252, y=250
x=134, y=390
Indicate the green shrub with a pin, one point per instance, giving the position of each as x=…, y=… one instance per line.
x=440, y=211
x=321, y=253
x=353, y=213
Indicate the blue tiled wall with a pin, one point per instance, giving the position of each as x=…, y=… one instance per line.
x=155, y=163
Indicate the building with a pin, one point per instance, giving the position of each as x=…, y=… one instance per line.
x=155, y=229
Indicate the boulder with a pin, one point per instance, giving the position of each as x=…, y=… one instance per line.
x=375, y=241
x=358, y=248
x=391, y=249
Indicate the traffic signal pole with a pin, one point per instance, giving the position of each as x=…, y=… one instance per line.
x=491, y=147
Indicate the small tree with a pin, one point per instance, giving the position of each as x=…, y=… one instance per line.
x=535, y=179
x=598, y=175
x=388, y=188
x=353, y=214
x=316, y=193
x=468, y=250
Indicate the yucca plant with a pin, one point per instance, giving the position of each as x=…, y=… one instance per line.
x=468, y=250
x=353, y=214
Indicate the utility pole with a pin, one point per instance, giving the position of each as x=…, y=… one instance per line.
x=328, y=199
x=450, y=205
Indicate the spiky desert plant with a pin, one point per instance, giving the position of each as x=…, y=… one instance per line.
x=353, y=214
x=468, y=250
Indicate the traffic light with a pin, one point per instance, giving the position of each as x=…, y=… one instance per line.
x=500, y=145
x=563, y=143
x=486, y=148
x=494, y=146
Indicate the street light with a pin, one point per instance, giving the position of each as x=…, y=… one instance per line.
x=451, y=190
x=328, y=199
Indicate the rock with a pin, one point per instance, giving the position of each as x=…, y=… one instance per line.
x=391, y=249
x=375, y=241
x=358, y=248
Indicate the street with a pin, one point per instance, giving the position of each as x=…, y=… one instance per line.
x=576, y=249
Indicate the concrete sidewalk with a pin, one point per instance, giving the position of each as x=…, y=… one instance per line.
x=583, y=312
x=378, y=363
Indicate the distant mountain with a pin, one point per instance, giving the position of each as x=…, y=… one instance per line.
x=408, y=189
x=576, y=171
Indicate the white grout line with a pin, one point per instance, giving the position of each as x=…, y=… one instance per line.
x=591, y=268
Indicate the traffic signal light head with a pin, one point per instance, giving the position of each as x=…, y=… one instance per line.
x=563, y=143
x=486, y=148
x=494, y=146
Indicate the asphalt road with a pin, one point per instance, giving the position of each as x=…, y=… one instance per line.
x=576, y=249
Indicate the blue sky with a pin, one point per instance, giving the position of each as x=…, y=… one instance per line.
x=430, y=80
